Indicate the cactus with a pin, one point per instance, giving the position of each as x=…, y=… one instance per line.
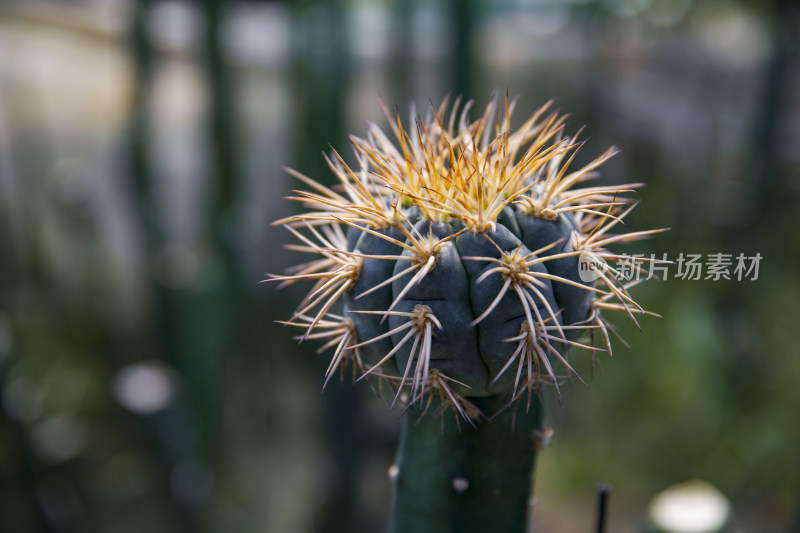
x=456, y=253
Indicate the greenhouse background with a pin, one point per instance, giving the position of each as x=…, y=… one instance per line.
x=145, y=384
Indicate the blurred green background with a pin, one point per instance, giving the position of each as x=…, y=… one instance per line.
x=145, y=385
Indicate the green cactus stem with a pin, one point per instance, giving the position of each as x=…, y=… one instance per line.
x=453, y=478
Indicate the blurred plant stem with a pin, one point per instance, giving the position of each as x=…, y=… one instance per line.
x=401, y=73
x=161, y=329
x=463, y=15
x=321, y=72
x=466, y=479
x=218, y=310
x=191, y=328
x=782, y=18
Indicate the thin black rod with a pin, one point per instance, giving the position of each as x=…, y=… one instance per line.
x=602, y=507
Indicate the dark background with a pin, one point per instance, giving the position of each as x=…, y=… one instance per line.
x=145, y=385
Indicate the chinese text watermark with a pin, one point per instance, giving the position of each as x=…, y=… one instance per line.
x=687, y=267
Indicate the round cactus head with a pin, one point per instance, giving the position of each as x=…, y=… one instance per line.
x=461, y=259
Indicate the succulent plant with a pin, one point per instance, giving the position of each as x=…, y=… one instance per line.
x=467, y=260
x=456, y=251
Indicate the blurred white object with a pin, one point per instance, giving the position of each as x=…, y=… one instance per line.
x=692, y=507
x=146, y=387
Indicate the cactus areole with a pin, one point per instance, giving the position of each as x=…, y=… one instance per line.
x=455, y=264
